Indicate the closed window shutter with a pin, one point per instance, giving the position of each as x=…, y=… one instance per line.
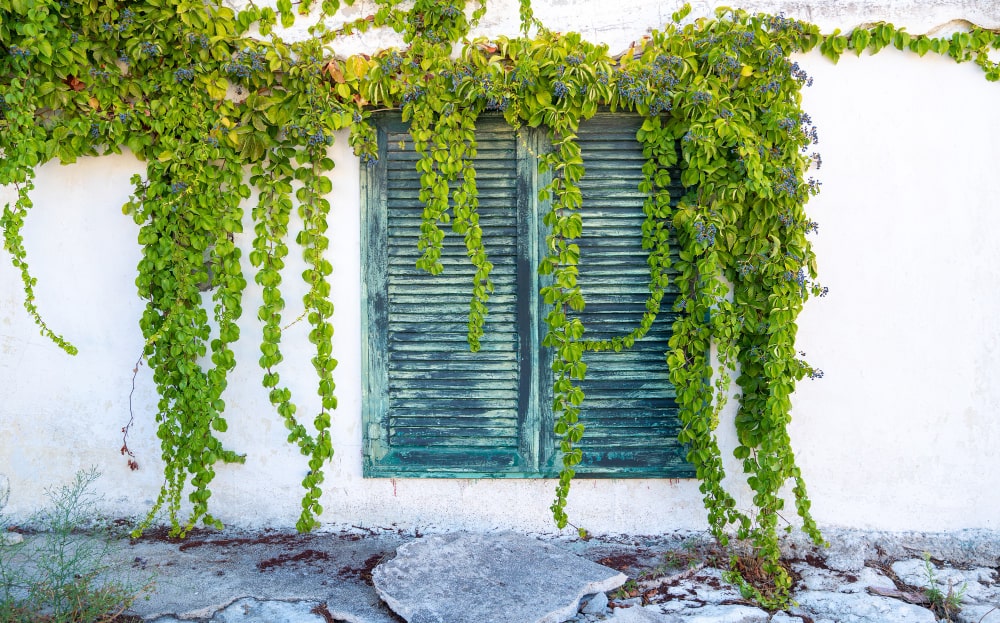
x=630, y=412
x=446, y=411
x=430, y=407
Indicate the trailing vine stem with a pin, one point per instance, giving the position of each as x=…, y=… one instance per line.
x=203, y=93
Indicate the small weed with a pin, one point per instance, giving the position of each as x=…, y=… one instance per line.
x=69, y=572
x=627, y=590
x=945, y=604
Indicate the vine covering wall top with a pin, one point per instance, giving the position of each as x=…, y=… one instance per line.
x=219, y=106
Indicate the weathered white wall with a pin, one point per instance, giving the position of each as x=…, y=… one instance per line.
x=900, y=434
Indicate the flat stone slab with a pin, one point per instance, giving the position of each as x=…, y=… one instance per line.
x=501, y=578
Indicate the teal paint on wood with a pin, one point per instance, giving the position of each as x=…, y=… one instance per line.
x=432, y=408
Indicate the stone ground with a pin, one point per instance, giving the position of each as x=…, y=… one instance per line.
x=352, y=576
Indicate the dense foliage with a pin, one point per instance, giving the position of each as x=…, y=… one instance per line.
x=205, y=95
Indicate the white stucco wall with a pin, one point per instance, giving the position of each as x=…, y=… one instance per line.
x=902, y=433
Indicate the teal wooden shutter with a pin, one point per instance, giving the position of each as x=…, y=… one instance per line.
x=431, y=407
x=630, y=413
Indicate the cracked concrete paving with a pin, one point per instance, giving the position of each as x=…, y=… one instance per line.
x=283, y=577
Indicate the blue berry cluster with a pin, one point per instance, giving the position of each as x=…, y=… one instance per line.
x=656, y=80
x=19, y=52
x=95, y=130
x=211, y=140
x=817, y=160
x=789, y=183
x=201, y=40
x=574, y=59
x=800, y=74
x=458, y=77
x=523, y=79
x=391, y=63
x=497, y=103
x=368, y=159
x=74, y=37
x=770, y=87
x=178, y=187
x=244, y=63
x=559, y=89
x=690, y=136
x=707, y=42
x=184, y=74
x=798, y=278
x=150, y=49
x=705, y=233
x=780, y=23
x=812, y=134
x=357, y=118
x=727, y=67
x=815, y=373
x=725, y=113
x=124, y=117
x=744, y=38
x=631, y=89
x=701, y=97
x=313, y=136
x=320, y=138
x=412, y=94
x=124, y=22
x=775, y=55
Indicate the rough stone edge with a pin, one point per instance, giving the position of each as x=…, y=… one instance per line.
x=568, y=612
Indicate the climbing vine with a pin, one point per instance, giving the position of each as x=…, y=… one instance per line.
x=222, y=110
